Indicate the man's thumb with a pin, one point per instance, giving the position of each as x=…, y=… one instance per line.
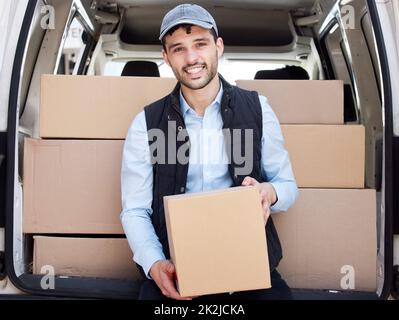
x=246, y=181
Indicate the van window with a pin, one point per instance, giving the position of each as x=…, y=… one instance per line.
x=231, y=70
x=338, y=57
x=74, y=58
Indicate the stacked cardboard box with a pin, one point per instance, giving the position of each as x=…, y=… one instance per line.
x=72, y=178
x=85, y=257
x=95, y=107
x=301, y=102
x=329, y=236
x=72, y=185
x=329, y=240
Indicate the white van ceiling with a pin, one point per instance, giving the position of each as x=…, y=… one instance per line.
x=141, y=25
x=240, y=23
x=259, y=4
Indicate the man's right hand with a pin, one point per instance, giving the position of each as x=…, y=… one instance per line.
x=163, y=272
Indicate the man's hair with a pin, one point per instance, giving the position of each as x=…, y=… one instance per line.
x=186, y=26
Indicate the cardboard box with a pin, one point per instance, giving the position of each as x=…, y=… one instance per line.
x=96, y=107
x=302, y=101
x=217, y=241
x=103, y=107
x=72, y=186
x=85, y=257
x=326, y=156
x=328, y=236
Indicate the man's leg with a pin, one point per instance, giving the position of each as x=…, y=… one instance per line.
x=150, y=291
x=278, y=291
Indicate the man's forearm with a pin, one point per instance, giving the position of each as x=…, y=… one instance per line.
x=142, y=238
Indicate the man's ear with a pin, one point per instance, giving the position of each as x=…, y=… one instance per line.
x=165, y=57
x=219, y=47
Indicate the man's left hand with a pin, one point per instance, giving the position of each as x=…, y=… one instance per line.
x=267, y=193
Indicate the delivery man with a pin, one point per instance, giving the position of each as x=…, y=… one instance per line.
x=202, y=101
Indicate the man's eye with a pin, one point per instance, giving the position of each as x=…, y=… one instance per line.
x=178, y=49
x=201, y=44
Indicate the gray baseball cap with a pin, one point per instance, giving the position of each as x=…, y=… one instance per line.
x=187, y=13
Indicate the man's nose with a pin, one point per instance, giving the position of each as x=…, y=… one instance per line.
x=192, y=56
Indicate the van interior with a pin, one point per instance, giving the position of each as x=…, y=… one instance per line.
x=292, y=40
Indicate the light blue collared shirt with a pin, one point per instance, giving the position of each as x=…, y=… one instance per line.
x=207, y=170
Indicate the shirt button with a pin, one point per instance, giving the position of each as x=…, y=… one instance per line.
x=179, y=128
x=182, y=189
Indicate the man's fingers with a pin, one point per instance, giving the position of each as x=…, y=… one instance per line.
x=165, y=293
x=266, y=217
x=171, y=290
x=265, y=205
x=170, y=268
x=169, y=286
x=266, y=209
x=263, y=195
x=249, y=181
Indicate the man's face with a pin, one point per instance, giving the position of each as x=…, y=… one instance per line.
x=193, y=57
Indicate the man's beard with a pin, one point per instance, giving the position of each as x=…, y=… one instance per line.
x=211, y=71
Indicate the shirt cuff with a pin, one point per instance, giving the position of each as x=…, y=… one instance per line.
x=152, y=255
x=279, y=205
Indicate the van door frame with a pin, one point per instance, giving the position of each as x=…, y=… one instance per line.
x=11, y=138
x=388, y=148
x=13, y=22
x=389, y=166
x=77, y=287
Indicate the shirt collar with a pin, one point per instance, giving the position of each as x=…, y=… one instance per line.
x=184, y=106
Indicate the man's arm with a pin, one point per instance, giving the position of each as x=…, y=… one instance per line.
x=137, y=184
x=276, y=165
x=136, y=187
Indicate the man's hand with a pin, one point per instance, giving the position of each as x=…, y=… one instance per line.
x=164, y=274
x=267, y=193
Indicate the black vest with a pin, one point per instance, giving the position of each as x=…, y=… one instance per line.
x=240, y=109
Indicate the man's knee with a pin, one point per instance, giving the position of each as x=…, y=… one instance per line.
x=279, y=291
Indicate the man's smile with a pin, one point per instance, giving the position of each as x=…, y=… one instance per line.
x=194, y=70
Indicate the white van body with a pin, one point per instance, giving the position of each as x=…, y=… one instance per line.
x=27, y=51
